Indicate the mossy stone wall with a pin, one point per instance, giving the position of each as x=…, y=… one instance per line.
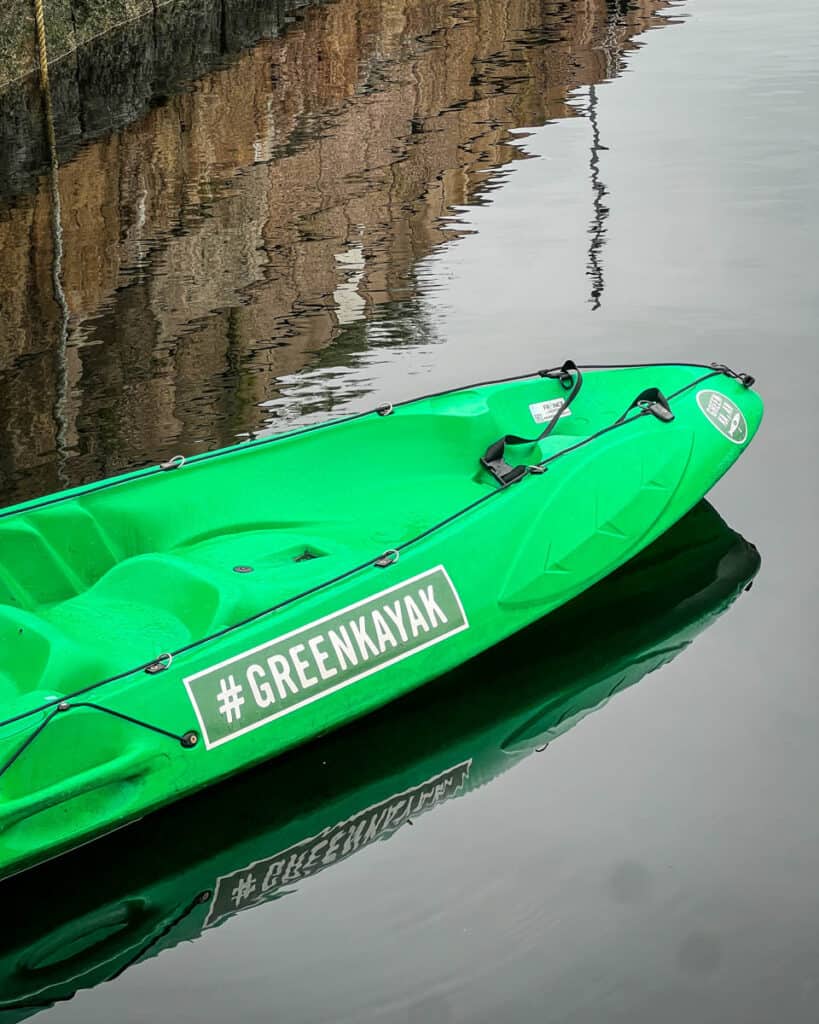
x=69, y=24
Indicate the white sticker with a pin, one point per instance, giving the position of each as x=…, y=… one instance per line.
x=542, y=412
x=243, y=693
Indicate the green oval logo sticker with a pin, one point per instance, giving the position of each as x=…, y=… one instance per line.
x=724, y=414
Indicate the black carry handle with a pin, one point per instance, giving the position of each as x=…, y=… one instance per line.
x=571, y=379
x=651, y=400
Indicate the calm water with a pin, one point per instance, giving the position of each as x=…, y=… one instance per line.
x=381, y=200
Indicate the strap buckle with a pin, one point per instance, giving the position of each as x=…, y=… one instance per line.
x=502, y=471
x=659, y=409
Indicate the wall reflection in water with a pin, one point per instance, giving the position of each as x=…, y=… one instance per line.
x=238, y=228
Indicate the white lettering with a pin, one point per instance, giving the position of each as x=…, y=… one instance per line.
x=383, y=633
x=354, y=836
x=332, y=848
x=315, y=854
x=375, y=826
x=416, y=619
x=394, y=813
x=394, y=612
x=302, y=666
x=321, y=658
x=363, y=639
x=262, y=694
x=293, y=870
x=281, y=671
x=343, y=647
x=431, y=606
x=271, y=877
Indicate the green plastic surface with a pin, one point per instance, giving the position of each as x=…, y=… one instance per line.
x=108, y=579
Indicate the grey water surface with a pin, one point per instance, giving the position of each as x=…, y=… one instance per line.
x=385, y=199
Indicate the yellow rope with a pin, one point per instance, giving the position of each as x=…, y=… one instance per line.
x=39, y=18
x=57, y=239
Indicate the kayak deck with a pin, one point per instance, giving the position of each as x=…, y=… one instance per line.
x=112, y=578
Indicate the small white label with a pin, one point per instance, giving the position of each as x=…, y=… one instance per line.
x=542, y=412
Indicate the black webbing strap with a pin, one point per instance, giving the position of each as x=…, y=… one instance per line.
x=651, y=400
x=493, y=459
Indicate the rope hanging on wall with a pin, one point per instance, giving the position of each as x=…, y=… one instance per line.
x=57, y=244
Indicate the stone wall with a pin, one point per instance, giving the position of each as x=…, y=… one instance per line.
x=115, y=76
x=69, y=25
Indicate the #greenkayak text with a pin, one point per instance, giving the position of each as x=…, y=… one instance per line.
x=309, y=663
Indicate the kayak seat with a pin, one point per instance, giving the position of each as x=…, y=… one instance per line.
x=40, y=661
x=141, y=607
x=151, y=603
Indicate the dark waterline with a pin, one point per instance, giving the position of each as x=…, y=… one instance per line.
x=385, y=200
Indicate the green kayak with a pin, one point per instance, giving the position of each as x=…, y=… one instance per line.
x=169, y=627
x=86, y=918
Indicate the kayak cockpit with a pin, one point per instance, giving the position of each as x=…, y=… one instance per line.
x=113, y=577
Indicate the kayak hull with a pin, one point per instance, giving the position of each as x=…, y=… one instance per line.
x=393, y=558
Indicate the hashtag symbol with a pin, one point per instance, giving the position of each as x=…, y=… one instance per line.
x=243, y=890
x=230, y=700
